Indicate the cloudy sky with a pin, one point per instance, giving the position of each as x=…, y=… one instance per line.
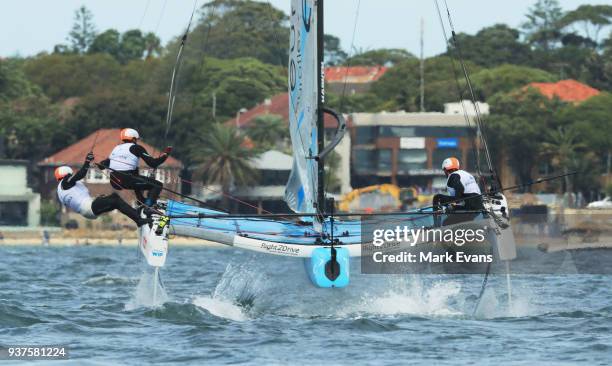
x=31, y=26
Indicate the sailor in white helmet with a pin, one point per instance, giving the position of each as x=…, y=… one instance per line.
x=463, y=191
x=73, y=194
x=123, y=163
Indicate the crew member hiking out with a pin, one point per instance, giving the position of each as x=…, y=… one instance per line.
x=463, y=194
x=73, y=194
x=123, y=163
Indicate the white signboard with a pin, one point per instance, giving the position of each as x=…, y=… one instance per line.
x=412, y=143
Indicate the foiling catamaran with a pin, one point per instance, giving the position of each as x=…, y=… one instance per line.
x=324, y=240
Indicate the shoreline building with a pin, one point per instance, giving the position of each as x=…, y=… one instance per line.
x=407, y=149
x=19, y=206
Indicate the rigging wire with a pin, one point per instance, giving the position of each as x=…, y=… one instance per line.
x=347, y=68
x=161, y=16
x=175, y=73
x=144, y=14
x=468, y=80
x=459, y=88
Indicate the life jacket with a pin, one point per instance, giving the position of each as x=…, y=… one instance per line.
x=74, y=197
x=470, y=186
x=121, y=159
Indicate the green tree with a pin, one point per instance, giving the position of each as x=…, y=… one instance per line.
x=493, y=46
x=588, y=20
x=106, y=42
x=116, y=108
x=230, y=29
x=126, y=47
x=223, y=159
x=28, y=127
x=398, y=88
x=13, y=82
x=83, y=30
x=380, y=57
x=542, y=26
x=334, y=54
x=268, y=131
x=64, y=76
x=238, y=83
x=592, y=119
x=519, y=120
x=505, y=78
x=562, y=147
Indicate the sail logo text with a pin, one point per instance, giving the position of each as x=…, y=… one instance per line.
x=412, y=236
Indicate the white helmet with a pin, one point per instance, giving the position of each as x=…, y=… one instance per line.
x=450, y=164
x=62, y=171
x=129, y=134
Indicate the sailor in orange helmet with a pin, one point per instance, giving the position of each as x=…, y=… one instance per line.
x=73, y=194
x=123, y=163
x=463, y=191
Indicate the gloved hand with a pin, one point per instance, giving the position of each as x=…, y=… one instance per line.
x=168, y=150
x=89, y=158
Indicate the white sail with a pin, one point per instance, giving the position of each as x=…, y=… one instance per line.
x=301, y=190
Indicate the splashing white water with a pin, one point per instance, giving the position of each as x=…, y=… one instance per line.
x=221, y=308
x=235, y=293
x=149, y=293
x=412, y=297
x=500, y=305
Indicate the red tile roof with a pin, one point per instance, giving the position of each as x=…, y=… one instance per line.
x=566, y=90
x=354, y=74
x=105, y=141
x=278, y=105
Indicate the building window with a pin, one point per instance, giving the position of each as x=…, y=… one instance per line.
x=95, y=176
x=365, y=135
x=441, y=132
x=364, y=161
x=273, y=177
x=397, y=131
x=13, y=214
x=410, y=159
x=385, y=160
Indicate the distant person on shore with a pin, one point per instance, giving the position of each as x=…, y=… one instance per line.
x=463, y=193
x=73, y=194
x=123, y=164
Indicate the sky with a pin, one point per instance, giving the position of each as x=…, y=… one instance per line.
x=28, y=27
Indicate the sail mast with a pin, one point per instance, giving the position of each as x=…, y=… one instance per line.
x=320, y=107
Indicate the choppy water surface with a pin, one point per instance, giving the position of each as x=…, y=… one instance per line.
x=226, y=306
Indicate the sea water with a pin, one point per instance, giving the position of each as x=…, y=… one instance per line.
x=218, y=306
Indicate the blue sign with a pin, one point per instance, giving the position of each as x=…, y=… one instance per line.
x=448, y=143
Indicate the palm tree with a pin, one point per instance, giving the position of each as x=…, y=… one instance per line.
x=224, y=160
x=269, y=131
x=561, y=147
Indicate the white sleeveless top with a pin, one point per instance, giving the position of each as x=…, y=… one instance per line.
x=75, y=197
x=121, y=159
x=469, y=183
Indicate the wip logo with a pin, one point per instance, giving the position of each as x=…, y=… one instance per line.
x=157, y=254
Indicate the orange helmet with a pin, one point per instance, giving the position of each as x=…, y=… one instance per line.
x=62, y=171
x=450, y=164
x=129, y=134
